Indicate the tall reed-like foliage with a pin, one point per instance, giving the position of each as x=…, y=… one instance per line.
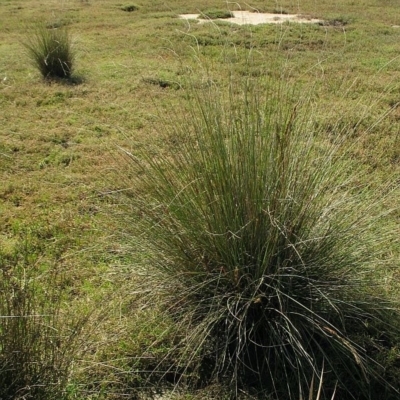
x=265, y=246
x=51, y=51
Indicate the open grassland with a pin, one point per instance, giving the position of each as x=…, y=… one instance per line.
x=61, y=228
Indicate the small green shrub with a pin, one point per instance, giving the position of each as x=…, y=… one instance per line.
x=265, y=248
x=51, y=51
x=216, y=14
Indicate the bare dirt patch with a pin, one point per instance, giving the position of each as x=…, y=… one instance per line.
x=253, y=18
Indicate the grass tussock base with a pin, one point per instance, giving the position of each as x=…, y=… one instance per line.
x=265, y=249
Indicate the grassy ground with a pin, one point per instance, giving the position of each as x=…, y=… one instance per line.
x=58, y=139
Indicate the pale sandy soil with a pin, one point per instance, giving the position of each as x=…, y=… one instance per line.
x=254, y=18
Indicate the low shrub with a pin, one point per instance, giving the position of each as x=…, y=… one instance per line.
x=51, y=51
x=265, y=248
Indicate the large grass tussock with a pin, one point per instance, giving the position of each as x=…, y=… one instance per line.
x=264, y=246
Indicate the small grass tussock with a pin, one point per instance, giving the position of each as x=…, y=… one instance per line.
x=162, y=82
x=266, y=249
x=338, y=21
x=39, y=343
x=129, y=8
x=57, y=24
x=51, y=51
x=216, y=14
x=279, y=10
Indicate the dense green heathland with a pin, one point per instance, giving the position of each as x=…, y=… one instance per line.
x=86, y=163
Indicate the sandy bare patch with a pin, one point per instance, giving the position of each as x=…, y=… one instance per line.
x=254, y=18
